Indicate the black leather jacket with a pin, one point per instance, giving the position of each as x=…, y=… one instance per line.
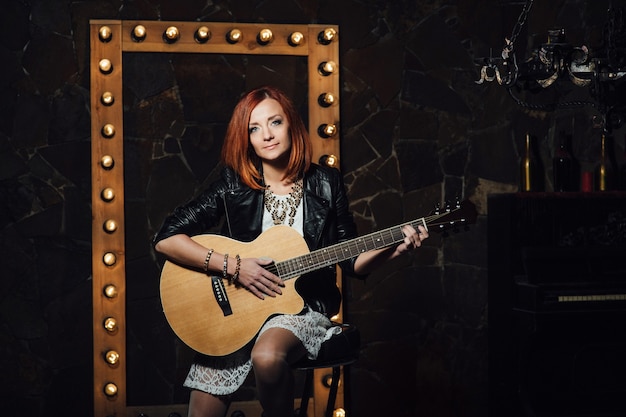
x=327, y=220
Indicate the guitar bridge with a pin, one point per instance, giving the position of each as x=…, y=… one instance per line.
x=219, y=291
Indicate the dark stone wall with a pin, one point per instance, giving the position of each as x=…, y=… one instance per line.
x=416, y=129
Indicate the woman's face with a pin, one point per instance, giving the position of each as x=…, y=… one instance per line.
x=269, y=131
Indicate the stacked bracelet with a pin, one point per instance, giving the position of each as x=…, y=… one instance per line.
x=225, y=270
x=207, y=259
x=235, y=276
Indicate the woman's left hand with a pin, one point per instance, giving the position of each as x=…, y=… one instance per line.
x=368, y=261
x=412, y=238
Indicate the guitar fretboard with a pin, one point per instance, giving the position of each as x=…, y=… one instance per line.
x=331, y=255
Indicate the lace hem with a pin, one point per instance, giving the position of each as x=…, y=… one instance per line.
x=315, y=329
x=224, y=375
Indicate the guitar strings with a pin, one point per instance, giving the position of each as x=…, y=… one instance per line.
x=317, y=259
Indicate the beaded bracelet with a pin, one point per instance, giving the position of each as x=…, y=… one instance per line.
x=235, y=276
x=225, y=270
x=207, y=259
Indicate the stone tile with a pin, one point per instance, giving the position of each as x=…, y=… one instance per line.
x=389, y=173
x=454, y=159
x=138, y=243
x=432, y=42
x=201, y=147
x=358, y=101
x=360, y=152
x=8, y=107
x=492, y=156
x=209, y=85
x=70, y=119
x=364, y=185
x=146, y=75
x=418, y=168
x=171, y=184
x=51, y=16
x=387, y=209
x=79, y=171
x=11, y=69
x=30, y=125
x=422, y=89
x=40, y=61
x=378, y=130
x=77, y=215
x=11, y=165
x=417, y=123
x=385, y=76
x=14, y=25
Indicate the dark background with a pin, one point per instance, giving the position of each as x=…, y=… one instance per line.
x=416, y=129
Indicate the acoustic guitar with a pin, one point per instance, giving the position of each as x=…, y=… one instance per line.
x=217, y=318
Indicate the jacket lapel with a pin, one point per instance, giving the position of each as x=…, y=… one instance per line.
x=316, y=211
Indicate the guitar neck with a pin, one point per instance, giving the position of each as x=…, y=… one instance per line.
x=464, y=213
x=331, y=255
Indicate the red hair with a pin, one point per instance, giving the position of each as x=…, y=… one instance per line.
x=237, y=152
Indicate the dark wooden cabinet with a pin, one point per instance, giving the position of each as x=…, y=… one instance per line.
x=557, y=304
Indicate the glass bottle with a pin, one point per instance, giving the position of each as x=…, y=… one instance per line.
x=529, y=167
x=603, y=174
x=622, y=171
x=563, y=166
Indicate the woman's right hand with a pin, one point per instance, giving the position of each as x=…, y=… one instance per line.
x=255, y=278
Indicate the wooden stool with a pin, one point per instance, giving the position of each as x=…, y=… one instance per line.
x=340, y=350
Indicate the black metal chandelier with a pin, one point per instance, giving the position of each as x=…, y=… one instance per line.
x=603, y=71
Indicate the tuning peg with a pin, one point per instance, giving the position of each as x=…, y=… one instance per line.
x=442, y=225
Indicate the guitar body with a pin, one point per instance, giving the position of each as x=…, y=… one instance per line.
x=192, y=309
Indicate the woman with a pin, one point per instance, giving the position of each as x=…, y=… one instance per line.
x=268, y=179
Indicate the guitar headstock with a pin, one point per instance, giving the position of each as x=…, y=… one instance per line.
x=461, y=214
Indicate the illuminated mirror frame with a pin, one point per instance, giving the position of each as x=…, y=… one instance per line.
x=109, y=39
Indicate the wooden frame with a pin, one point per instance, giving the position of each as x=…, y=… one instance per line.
x=109, y=39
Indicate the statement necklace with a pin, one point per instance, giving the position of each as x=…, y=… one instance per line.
x=280, y=207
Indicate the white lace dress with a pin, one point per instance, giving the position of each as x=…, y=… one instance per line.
x=225, y=374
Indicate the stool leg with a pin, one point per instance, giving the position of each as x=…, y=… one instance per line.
x=304, y=401
x=332, y=394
